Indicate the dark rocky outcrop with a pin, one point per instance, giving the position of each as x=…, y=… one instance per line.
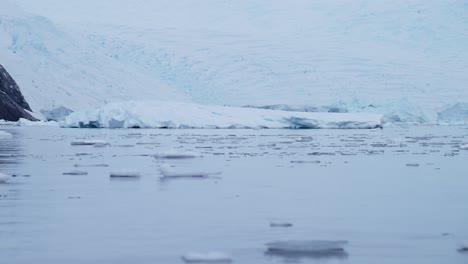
x=13, y=106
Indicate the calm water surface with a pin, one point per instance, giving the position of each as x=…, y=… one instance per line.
x=398, y=195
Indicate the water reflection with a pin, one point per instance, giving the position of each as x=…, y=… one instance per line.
x=11, y=150
x=297, y=257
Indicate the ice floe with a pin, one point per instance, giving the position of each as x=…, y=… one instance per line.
x=125, y=173
x=464, y=147
x=89, y=143
x=91, y=165
x=158, y=114
x=209, y=257
x=75, y=172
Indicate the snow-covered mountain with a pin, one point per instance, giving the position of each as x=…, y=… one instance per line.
x=406, y=59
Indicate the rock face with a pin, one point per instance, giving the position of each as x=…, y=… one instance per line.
x=13, y=106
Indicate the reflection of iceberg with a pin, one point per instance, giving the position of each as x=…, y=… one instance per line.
x=4, y=134
x=4, y=177
x=297, y=249
x=168, y=173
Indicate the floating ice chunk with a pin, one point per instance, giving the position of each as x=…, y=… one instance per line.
x=125, y=174
x=412, y=165
x=168, y=172
x=76, y=172
x=88, y=142
x=209, y=257
x=4, y=177
x=4, y=134
x=177, y=155
x=280, y=224
x=306, y=246
x=464, y=147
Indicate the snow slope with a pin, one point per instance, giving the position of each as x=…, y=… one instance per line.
x=158, y=114
x=54, y=67
x=405, y=59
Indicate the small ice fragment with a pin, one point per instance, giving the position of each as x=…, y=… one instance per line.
x=280, y=224
x=125, y=174
x=76, y=172
x=91, y=165
x=4, y=134
x=88, y=142
x=4, y=177
x=177, y=155
x=464, y=147
x=307, y=246
x=412, y=165
x=210, y=257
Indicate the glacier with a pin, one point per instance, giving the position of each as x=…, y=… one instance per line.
x=159, y=114
x=405, y=60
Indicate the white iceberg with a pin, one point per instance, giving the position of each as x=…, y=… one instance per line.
x=125, y=173
x=157, y=114
x=209, y=257
x=4, y=178
x=306, y=246
x=464, y=147
x=89, y=143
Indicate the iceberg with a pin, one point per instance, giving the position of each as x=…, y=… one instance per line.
x=157, y=114
x=210, y=257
